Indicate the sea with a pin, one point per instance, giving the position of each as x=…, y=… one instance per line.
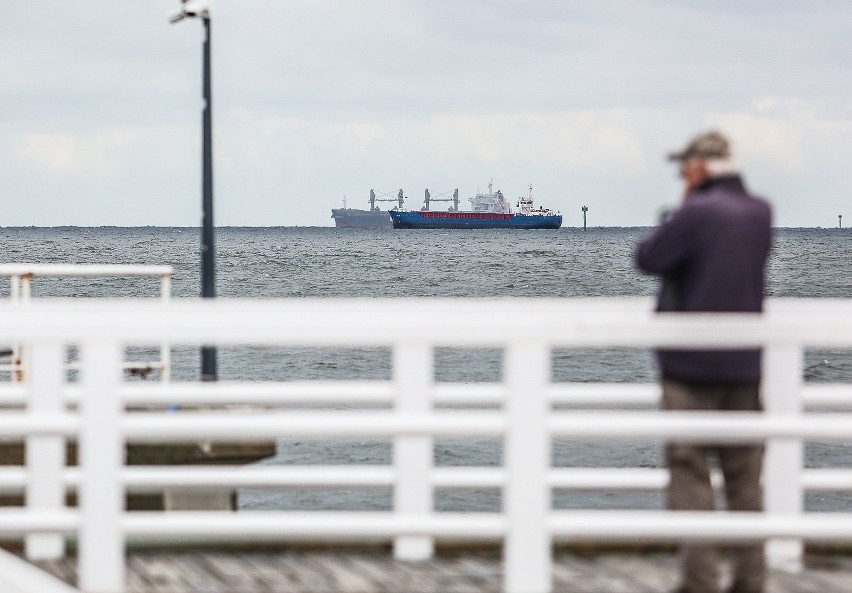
x=324, y=262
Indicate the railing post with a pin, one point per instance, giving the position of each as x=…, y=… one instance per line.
x=45, y=454
x=24, y=348
x=527, y=554
x=101, y=549
x=26, y=287
x=412, y=455
x=165, y=349
x=15, y=298
x=782, y=476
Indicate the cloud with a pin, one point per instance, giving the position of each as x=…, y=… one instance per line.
x=314, y=99
x=67, y=154
x=788, y=135
x=572, y=139
x=763, y=140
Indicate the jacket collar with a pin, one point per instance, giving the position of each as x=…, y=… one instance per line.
x=728, y=183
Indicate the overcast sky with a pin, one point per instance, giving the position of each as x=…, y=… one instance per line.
x=313, y=100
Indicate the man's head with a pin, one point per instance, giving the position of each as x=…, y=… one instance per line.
x=706, y=155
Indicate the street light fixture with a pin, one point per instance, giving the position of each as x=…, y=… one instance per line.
x=201, y=9
x=191, y=8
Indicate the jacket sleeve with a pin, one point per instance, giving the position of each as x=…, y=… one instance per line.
x=669, y=245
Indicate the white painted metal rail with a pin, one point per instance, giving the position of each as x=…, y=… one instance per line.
x=103, y=413
x=21, y=277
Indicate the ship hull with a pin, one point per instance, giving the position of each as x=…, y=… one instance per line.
x=348, y=218
x=473, y=220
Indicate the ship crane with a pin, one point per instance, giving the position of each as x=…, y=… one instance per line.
x=373, y=199
x=454, y=199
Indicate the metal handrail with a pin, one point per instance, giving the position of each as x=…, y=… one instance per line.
x=526, y=409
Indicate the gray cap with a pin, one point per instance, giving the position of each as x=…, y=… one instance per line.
x=709, y=145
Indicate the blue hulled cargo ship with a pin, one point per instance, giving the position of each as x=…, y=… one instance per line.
x=489, y=211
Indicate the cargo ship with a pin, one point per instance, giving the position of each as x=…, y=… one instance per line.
x=375, y=217
x=489, y=211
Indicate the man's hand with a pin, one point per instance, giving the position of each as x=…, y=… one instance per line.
x=694, y=173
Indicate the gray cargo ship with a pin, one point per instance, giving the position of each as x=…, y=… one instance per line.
x=375, y=217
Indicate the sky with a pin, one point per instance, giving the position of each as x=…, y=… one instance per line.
x=314, y=100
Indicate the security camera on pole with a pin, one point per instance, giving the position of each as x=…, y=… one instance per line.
x=201, y=9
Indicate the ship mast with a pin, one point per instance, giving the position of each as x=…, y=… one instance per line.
x=455, y=199
x=373, y=199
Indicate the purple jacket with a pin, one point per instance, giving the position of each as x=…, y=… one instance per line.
x=712, y=255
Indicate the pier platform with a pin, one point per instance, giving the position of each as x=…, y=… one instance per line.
x=329, y=571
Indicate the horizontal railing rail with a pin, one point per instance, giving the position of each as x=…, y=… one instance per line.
x=587, y=395
x=704, y=427
x=526, y=411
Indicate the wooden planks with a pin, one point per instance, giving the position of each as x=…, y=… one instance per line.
x=463, y=572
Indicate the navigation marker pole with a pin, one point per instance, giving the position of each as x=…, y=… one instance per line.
x=585, y=209
x=201, y=9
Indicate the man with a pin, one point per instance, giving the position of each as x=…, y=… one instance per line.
x=711, y=254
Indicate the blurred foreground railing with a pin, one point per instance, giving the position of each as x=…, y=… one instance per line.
x=103, y=413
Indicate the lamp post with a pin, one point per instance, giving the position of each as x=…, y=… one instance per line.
x=201, y=9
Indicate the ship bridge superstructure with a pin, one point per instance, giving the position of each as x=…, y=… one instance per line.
x=493, y=202
x=525, y=206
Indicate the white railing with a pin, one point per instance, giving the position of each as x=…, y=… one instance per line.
x=21, y=277
x=103, y=413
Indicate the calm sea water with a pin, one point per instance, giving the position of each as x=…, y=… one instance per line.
x=328, y=262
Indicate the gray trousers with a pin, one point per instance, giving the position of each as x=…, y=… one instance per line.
x=690, y=488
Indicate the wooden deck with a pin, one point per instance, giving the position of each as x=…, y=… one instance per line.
x=364, y=572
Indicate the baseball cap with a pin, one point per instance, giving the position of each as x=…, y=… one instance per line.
x=708, y=145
